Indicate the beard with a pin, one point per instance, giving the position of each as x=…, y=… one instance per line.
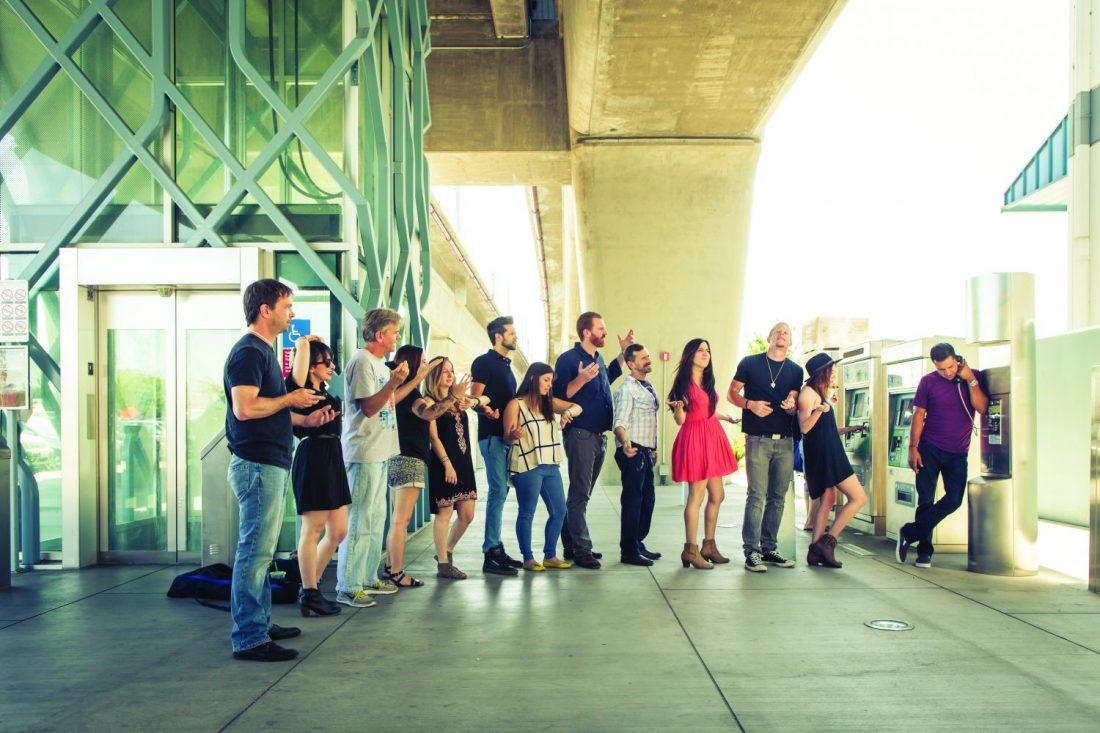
x=598, y=341
x=509, y=346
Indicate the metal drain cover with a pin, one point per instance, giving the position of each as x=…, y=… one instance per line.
x=888, y=624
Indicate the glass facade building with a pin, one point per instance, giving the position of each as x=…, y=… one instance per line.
x=142, y=136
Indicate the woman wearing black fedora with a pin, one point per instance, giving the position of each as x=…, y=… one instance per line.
x=827, y=466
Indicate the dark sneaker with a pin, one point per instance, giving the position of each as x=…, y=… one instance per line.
x=923, y=561
x=494, y=566
x=754, y=563
x=649, y=554
x=503, y=558
x=775, y=558
x=278, y=633
x=587, y=561
x=266, y=652
x=902, y=548
x=645, y=562
x=597, y=555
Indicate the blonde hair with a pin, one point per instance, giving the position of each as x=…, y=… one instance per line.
x=432, y=387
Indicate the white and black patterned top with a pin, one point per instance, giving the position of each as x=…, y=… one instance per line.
x=539, y=445
x=636, y=410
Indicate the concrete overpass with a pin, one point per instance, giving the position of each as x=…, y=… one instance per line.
x=638, y=126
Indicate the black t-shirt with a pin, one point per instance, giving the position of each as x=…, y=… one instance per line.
x=412, y=431
x=251, y=362
x=330, y=428
x=757, y=372
x=495, y=372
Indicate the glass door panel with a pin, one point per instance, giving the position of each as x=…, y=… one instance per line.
x=137, y=477
x=137, y=408
x=207, y=326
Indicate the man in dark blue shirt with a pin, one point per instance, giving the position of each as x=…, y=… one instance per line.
x=258, y=428
x=492, y=376
x=581, y=377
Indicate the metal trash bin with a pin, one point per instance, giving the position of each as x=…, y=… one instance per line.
x=6, y=556
x=998, y=544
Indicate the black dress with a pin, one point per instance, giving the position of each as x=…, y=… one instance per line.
x=826, y=463
x=453, y=429
x=317, y=473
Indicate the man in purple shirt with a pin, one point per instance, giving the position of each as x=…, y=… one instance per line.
x=939, y=440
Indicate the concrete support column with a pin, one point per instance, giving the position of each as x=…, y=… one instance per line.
x=1084, y=171
x=662, y=229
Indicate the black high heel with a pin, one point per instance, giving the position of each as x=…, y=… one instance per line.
x=311, y=599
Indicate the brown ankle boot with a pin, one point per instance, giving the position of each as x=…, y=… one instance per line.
x=690, y=556
x=710, y=552
x=825, y=547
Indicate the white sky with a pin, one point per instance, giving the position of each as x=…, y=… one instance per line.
x=881, y=176
x=880, y=180
x=494, y=226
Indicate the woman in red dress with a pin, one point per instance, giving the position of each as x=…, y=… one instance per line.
x=701, y=453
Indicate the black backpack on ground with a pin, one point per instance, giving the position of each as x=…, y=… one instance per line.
x=214, y=582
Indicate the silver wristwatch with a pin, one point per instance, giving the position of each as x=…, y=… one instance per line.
x=973, y=383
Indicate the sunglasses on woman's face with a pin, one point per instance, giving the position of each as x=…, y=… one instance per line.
x=324, y=362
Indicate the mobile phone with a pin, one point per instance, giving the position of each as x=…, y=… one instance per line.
x=960, y=358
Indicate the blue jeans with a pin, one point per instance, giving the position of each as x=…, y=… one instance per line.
x=544, y=481
x=637, y=499
x=261, y=496
x=953, y=468
x=361, y=551
x=494, y=451
x=770, y=467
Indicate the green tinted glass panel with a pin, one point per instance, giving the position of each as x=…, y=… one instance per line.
x=205, y=413
x=137, y=477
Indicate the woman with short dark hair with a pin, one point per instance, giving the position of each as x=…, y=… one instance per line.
x=321, y=491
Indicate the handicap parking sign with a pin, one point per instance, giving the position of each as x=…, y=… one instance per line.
x=298, y=327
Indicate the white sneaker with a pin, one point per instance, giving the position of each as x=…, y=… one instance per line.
x=379, y=588
x=358, y=600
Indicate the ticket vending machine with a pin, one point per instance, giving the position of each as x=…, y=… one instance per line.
x=905, y=364
x=862, y=391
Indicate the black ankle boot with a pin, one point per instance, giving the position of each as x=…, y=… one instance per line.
x=311, y=599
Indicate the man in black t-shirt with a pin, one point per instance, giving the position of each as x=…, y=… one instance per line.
x=766, y=388
x=492, y=376
x=258, y=428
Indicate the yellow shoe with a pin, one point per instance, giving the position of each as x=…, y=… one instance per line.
x=553, y=562
x=534, y=566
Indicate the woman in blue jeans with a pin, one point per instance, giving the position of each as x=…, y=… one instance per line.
x=533, y=458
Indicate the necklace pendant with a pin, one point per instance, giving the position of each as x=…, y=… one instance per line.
x=773, y=385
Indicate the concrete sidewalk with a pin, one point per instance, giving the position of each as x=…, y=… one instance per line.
x=620, y=649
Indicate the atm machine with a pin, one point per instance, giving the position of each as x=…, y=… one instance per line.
x=862, y=392
x=904, y=365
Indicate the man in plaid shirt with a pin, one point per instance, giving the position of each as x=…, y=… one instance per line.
x=635, y=425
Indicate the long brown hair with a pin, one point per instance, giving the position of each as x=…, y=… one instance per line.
x=681, y=382
x=819, y=380
x=411, y=355
x=529, y=388
x=432, y=388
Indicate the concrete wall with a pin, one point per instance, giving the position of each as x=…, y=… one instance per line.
x=663, y=231
x=499, y=100
x=1064, y=413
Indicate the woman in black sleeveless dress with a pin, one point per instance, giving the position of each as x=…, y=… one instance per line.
x=452, y=489
x=317, y=475
x=827, y=466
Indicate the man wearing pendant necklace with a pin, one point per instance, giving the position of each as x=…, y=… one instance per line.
x=765, y=387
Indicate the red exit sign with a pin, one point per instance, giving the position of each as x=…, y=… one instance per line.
x=665, y=356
